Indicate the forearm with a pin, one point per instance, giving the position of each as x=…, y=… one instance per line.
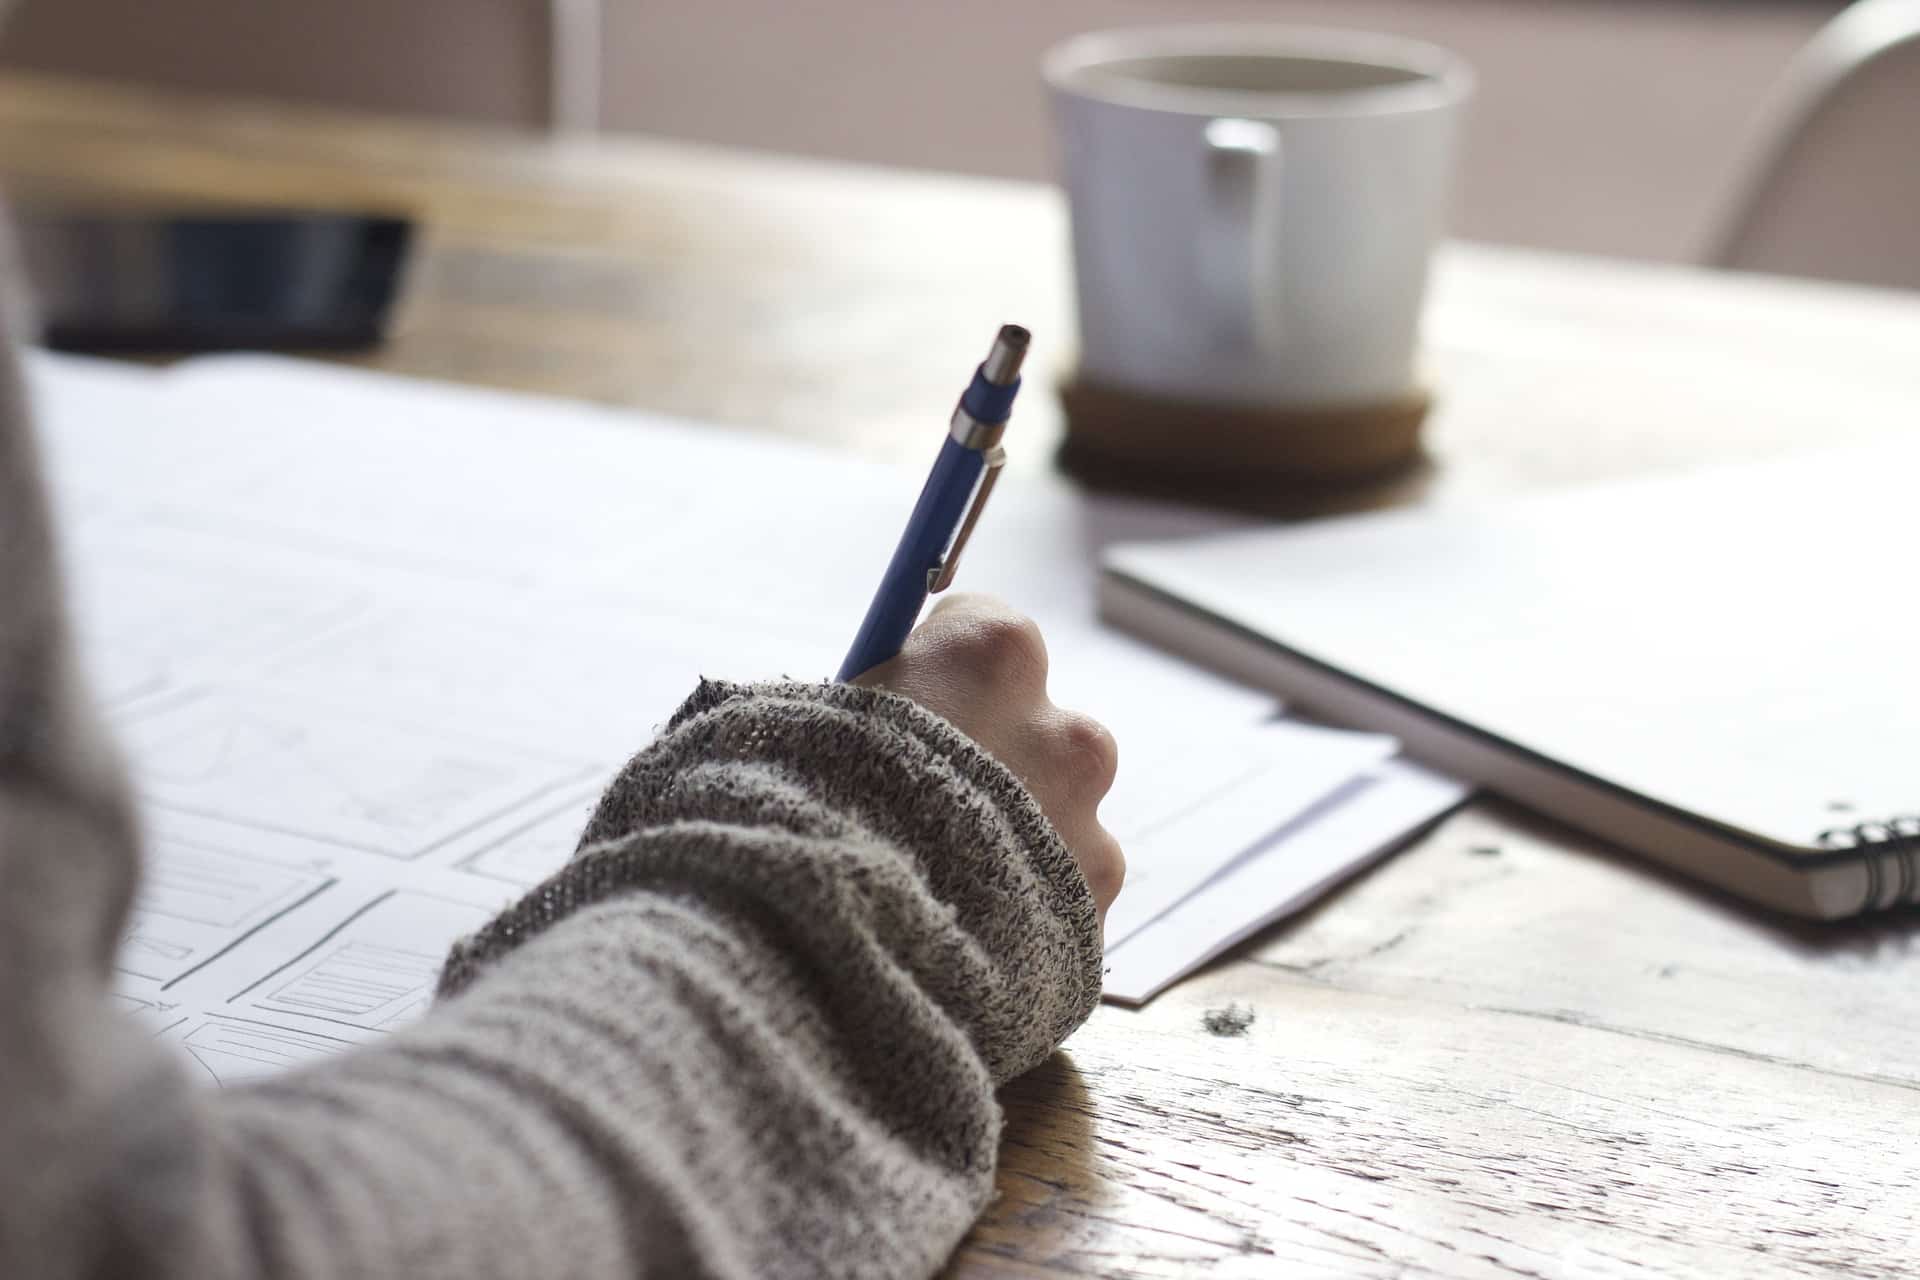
x=641, y=1091
x=753, y=1029
x=884, y=841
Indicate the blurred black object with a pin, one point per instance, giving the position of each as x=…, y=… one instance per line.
x=161, y=283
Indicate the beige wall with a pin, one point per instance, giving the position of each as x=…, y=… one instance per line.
x=1610, y=126
x=1602, y=125
x=476, y=59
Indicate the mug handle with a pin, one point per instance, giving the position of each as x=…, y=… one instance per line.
x=1238, y=258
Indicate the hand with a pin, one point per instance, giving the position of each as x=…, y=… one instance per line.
x=984, y=668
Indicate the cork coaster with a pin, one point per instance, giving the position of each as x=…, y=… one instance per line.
x=1123, y=439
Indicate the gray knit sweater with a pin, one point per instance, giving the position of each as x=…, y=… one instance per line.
x=753, y=1029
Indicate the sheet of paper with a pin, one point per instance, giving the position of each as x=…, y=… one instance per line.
x=1300, y=862
x=372, y=647
x=1210, y=800
x=718, y=552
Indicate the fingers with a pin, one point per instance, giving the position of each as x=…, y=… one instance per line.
x=1079, y=761
x=1103, y=864
x=986, y=640
x=984, y=667
x=1067, y=759
x=971, y=650
x=1092, y=756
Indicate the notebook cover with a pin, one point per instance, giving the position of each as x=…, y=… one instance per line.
x=1736, y=644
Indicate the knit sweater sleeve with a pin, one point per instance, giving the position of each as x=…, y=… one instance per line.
x=752, y=1029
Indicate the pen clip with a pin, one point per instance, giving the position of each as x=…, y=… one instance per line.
x=940, y=577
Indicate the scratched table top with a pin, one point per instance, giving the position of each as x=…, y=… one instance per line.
x=1507, y=1051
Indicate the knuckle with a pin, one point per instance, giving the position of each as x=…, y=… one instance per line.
x=1105, y=867
x=1007, y=644
x=1092, y=749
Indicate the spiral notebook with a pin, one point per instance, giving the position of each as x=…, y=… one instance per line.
x=1717, y=669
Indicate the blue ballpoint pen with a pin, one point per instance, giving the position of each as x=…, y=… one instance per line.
x=969, y=462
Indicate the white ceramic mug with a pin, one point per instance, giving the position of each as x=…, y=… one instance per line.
x=1254, y=208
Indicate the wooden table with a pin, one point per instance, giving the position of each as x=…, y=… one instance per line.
x=1506, y=1052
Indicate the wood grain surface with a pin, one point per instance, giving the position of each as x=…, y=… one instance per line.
x=1506, y=1052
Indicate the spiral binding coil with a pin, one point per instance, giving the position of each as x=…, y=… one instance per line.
x=1897, y=839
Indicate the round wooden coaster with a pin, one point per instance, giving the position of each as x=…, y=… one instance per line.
x=1128, y=440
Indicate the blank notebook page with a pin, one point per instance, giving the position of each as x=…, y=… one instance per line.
x=1739, y=642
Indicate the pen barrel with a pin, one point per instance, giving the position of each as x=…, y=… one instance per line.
x=903, y=589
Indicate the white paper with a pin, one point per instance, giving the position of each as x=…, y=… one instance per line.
x=710, y=551
x=1202, y=804
x=252, y=949
x=373, y=647
x=1298, y=864
x=354, y=778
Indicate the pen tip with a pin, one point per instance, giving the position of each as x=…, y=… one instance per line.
x=1002, y=364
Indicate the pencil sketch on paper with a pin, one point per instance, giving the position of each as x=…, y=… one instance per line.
x=535, y=850
x=147, y=622
x=231, y=1050
x=195, y=903
x=394, y=790
x=373, y=971
x=157, y=1016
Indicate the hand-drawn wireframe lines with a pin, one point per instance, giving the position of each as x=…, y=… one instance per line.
x=374, y=970
x=231, y=1050
x=359, y=982
x=197, y=903
x=532, y=852
x=146, y=622
x=389, y=789
x=574, y=676
x=157, y=1016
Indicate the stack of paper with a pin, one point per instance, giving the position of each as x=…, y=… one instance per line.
x=374, y=645
x=1322, y=843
